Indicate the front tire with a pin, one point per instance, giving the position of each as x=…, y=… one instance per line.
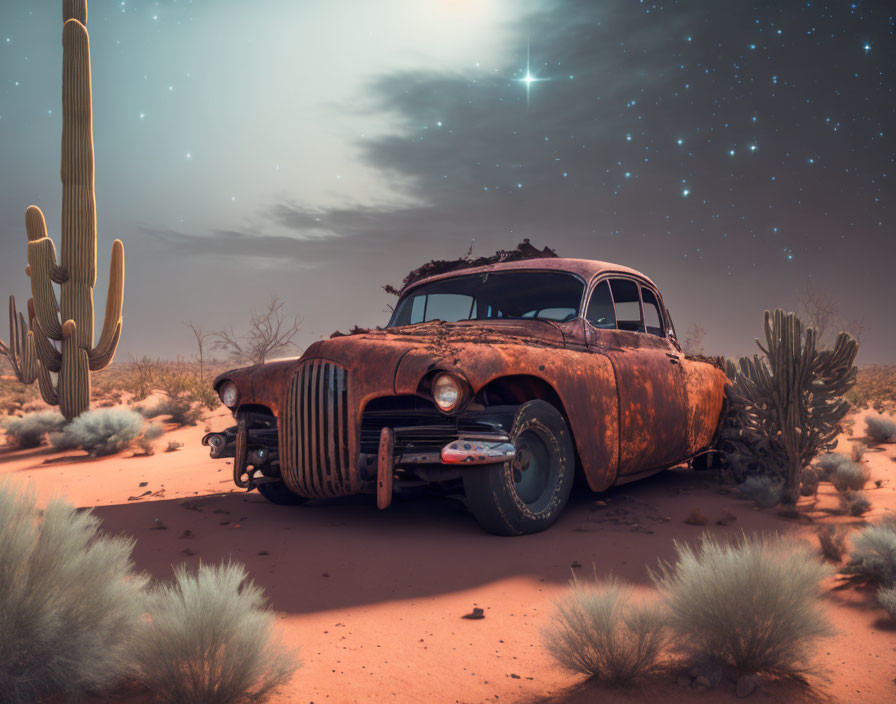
x=526, y=494
x=278, y=493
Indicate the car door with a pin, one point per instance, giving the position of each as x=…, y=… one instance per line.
x=624, y=321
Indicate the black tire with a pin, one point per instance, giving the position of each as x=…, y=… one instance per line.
x=528, y=493
x=278, y=493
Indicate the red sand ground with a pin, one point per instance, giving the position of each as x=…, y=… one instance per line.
x=373, y=599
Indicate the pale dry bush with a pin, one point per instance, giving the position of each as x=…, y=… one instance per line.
x=761, y=489
x=598, y=631
x=829, y=463
x=31, y=429
x=69, y=601
x=873, y=557
x=880, y=429
x=147, y=440
x=850, y=476
x=209, y=640
x=101, y=432
x=754, y=605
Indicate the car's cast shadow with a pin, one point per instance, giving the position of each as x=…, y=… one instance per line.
x=338, y=553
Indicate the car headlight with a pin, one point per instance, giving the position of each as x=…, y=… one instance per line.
x=229, y=394
x=447, y=392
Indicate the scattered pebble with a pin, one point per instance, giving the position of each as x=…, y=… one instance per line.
x=695, y=518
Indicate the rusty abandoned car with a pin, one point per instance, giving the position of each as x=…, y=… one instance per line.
x=496, y=382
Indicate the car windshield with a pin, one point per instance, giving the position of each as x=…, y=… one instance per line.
x=542, y=295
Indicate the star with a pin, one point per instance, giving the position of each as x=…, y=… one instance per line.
x=528, y=78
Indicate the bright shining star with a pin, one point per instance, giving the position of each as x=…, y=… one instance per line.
x=528, y=79
x=686, y=192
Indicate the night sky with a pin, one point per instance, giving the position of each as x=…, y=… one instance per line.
x=733, y=151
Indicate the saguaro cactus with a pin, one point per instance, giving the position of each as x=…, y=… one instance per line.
x=20, y=352
x=70, y=320
x=787, y=406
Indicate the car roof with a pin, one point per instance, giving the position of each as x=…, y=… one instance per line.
x=588, y=269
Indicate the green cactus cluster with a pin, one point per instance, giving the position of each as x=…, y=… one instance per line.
x=786, y=407
x=61, y=339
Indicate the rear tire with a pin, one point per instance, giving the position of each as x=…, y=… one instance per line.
x=526, y=494
x=278, y=493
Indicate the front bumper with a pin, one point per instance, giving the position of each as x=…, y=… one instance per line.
x=256, y=451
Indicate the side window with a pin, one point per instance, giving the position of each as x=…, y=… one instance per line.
x=652, y=318
x=600, y=309
x=628, y=305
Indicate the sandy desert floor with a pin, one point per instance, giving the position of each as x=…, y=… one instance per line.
x=374, y=599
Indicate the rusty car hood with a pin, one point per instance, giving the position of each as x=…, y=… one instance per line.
x=380, y=352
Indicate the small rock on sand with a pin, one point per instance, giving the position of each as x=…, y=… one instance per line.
x=695, y=518
x=475, y=615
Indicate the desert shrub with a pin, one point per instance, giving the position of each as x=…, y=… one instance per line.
x=850, y=476
x=828, y=463
x=809, y=482
x=69, y=602
x=177, y=410
x=599, y=632
x=209, y=639
x=761, y=489
x=754, y=605
x=873, y=557
x=855, y=503
x=832, y=540
x=880, y=429
x=31, y=429
x=151, y=433
x=887, y=599
x=101, y=432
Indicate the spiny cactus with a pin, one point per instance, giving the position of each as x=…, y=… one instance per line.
x=70, y=320
x=786, y=407
x=20, y=351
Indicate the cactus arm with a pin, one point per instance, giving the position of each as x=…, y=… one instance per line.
x=42, y=262
x=101, y=355
x=45, y=384
x=47, y=354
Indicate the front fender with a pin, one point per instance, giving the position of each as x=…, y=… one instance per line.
x=583, y=380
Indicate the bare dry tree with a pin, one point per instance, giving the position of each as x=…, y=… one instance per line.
x=822, y=312
x=694, y=339
x=202, y=336
x=269, y=333
x=818, y=308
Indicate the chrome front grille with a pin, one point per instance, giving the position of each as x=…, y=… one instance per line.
x=315, y=431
